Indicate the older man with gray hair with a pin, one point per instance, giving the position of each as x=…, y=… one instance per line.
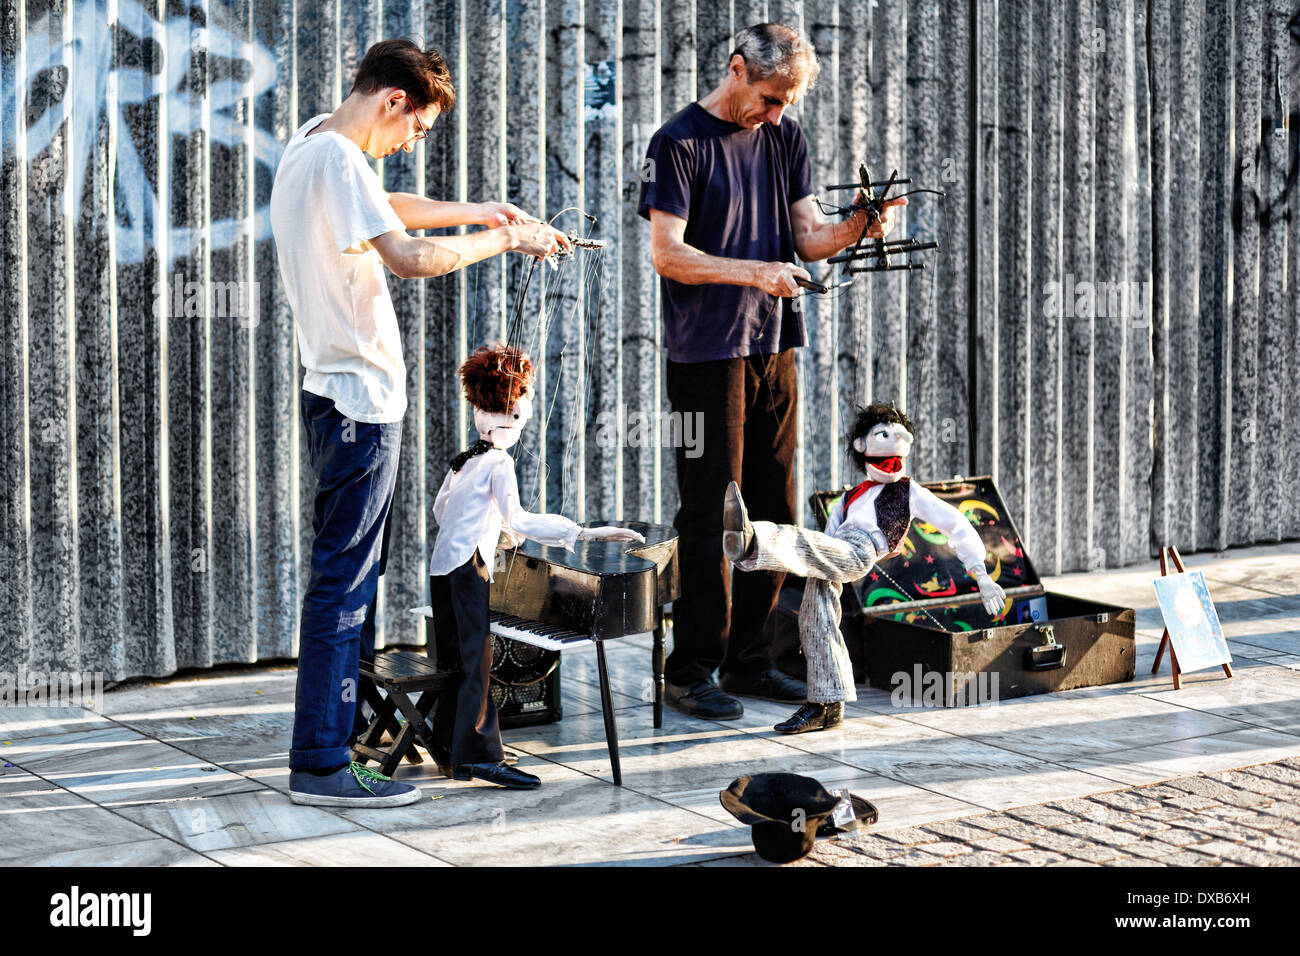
x=728, y=193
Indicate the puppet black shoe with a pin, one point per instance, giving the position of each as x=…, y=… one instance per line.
x=502, y=774
x=443, y=759
x=737, y=532
x=812, y=717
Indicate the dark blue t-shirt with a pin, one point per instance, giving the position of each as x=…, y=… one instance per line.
x=733, y=186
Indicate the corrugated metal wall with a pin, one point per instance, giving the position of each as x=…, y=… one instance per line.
x=154, y=489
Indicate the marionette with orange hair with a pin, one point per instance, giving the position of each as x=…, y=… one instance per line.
x=476, y=508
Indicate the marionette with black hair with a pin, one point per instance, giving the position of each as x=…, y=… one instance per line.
x=865, y=526
x=476, y=508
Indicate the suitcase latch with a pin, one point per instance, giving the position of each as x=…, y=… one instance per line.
x=1103, y=618
x=1048, y=655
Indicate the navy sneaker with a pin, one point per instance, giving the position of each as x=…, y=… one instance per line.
x=351, y=786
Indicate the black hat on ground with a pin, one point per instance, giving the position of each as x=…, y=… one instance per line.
x=787, y=812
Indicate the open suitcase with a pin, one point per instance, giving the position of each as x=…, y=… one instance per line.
x=926, y=638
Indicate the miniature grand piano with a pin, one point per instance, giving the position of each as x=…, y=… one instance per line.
x=600, y=591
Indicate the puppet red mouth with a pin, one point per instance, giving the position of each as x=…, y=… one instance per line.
x=889, y=465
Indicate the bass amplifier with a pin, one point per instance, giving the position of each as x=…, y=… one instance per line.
x=525, y=683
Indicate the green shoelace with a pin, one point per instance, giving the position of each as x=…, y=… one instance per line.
x=365, y=776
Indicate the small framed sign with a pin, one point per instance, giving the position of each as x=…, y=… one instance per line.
x=1193, y=634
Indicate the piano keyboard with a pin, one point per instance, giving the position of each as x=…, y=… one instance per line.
x=521, y=629
x=549, y=636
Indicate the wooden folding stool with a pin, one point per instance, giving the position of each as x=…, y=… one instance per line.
x=388, y=685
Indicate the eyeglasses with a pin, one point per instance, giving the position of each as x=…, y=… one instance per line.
x=422, y=131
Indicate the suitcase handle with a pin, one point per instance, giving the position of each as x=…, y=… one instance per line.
x=1047, y=656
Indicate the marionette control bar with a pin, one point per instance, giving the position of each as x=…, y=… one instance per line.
x=577, y=242
x=875, y=185
x=882, y=249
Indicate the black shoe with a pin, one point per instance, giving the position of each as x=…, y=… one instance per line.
x=813, y=717
x=501, y=774
x=703, y=699
x=443, y=759
x=737, y=532
x=770, y=684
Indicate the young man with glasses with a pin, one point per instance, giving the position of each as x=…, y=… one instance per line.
x=335, y=229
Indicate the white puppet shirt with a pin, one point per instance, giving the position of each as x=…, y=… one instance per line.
x=476, y=503
x=925, y=506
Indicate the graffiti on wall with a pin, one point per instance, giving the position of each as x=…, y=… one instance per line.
x=98, y=66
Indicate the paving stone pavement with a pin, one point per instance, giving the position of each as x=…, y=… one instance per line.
x=1246, y=817
x=193, y=770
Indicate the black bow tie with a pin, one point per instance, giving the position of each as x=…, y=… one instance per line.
x=478, y=448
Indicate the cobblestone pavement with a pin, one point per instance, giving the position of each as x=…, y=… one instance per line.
x=1246, y=817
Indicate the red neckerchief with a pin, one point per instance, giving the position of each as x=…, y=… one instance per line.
x=849, y=498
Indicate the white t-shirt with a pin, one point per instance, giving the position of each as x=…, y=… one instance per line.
x=325, y=205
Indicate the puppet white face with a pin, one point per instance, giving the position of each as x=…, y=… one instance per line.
x=886, y=447
x=504, y=430
x=523, y=408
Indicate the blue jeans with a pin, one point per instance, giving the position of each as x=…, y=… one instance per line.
x=356, y=467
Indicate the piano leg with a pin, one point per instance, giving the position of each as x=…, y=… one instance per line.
x=607, y=708
x=657, y=664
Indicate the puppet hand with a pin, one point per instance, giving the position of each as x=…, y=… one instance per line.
x=991, y=593
x=511, y=538
x=778, y=278
x=610, y=534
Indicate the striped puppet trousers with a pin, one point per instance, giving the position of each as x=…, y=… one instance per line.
x=826, y=562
